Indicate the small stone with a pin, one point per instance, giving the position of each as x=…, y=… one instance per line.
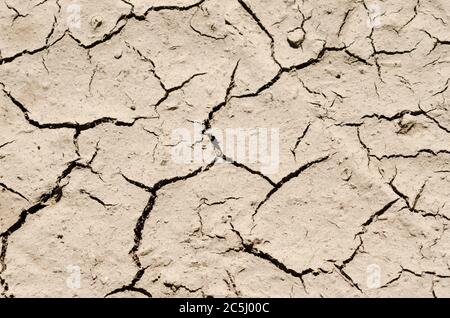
x=405, y=126
x=96, y=22
x=45, y=85
x=295, y=38
x=346, y=174
x=118, y=54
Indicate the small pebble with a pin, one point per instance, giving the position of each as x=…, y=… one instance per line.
x=295, y=38
x=346, y=174
x=118, y=54
x=96, y=22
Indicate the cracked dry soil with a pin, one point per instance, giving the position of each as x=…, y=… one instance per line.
x=358, y=90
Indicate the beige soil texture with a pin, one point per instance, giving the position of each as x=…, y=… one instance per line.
x=93, y=204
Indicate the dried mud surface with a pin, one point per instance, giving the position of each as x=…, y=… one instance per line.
x=87, y=178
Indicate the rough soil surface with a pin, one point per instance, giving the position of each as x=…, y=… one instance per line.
x=359, y=91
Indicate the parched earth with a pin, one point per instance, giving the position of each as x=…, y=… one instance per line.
x=93, y=204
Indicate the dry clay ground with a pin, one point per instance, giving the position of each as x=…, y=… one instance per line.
x=359, y=205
